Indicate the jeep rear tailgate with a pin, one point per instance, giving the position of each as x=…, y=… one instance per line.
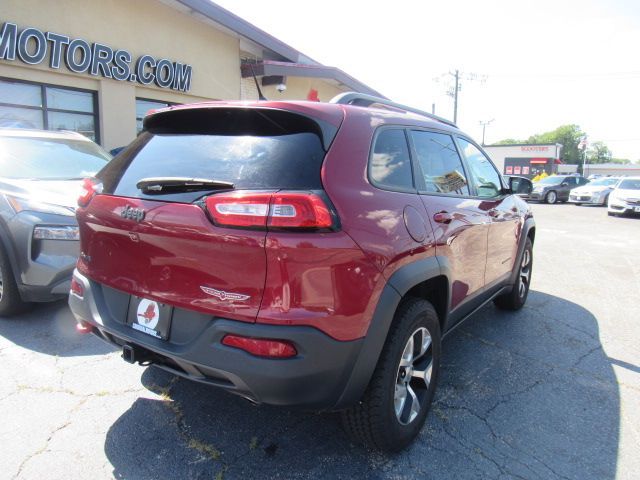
x=163, y=242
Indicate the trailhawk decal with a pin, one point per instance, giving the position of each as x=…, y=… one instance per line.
x=222, y=295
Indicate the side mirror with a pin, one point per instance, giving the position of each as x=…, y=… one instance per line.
x=564, y=184
x=520, y=185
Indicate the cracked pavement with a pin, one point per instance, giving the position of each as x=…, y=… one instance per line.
x=551, y=392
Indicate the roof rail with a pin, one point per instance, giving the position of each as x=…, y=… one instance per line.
x=364, y=100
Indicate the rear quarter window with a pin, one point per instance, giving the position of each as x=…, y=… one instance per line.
x=390, y=163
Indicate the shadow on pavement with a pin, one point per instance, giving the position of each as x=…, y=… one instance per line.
x=51, y=329
x=522, y=395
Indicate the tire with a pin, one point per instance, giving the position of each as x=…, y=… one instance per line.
x=551, y=197
x=10, y=300
x=516, y=298
x=577, y=204
x=606, y=201
x=373, y=421
x=611, y=214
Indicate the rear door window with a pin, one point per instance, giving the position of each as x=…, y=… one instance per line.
x=390, y=163
x=440, y=163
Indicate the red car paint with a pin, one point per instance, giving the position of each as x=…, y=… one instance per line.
x=172, y=253
x=330, y=280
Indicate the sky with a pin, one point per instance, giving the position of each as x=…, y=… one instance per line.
x=530, y=66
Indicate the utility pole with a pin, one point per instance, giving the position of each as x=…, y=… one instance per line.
x=484, y=125
x=453, y=90
x=455, y=96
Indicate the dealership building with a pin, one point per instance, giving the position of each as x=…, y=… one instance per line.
x=99, y=67
x=527, y=160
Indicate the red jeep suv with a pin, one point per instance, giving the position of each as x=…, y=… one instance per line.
x=299, y=253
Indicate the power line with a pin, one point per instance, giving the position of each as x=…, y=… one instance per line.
x=595, y=75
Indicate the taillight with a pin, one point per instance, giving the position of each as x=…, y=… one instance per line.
x=261, y=347
x=277, y=210
x=90, y=187
x=239, y=210
x=299, y=210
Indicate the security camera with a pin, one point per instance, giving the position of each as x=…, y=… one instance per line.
x=281, y=87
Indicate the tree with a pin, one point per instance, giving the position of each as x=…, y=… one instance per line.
x=567, y=135
x=508, y=141
x=598, y=152
x=623, y=161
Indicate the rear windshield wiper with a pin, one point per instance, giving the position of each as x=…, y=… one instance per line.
x=164, y=185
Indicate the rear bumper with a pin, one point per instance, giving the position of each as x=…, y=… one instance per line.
x=316, y=378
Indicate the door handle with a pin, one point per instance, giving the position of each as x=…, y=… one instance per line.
x=442, y=217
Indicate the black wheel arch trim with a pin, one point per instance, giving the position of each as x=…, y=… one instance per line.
x=529, y=224
x=400, y=282
x=7, y=244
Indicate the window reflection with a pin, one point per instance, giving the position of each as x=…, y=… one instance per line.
x=441, y=165
x=390, y=162
x=484, y=174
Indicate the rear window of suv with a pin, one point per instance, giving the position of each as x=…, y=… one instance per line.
x=251, y=149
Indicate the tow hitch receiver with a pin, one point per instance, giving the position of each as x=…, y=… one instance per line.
x=133, y=354
x=128, y=354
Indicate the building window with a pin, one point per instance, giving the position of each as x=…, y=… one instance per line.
x=143, y=106
x=30, y=105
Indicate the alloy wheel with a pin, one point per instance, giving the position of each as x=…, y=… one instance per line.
x=551, y=197
x=1, y=283
x=413, y=377
x=525, y=273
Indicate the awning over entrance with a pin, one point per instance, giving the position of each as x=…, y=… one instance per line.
x=270, y=68
x=543, y=161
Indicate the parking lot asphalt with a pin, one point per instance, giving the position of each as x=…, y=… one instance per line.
x=552, y=391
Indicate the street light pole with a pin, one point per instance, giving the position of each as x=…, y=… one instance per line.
x=484, y=126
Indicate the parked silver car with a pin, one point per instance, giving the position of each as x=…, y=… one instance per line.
x=595, y=192
x=41, y=174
